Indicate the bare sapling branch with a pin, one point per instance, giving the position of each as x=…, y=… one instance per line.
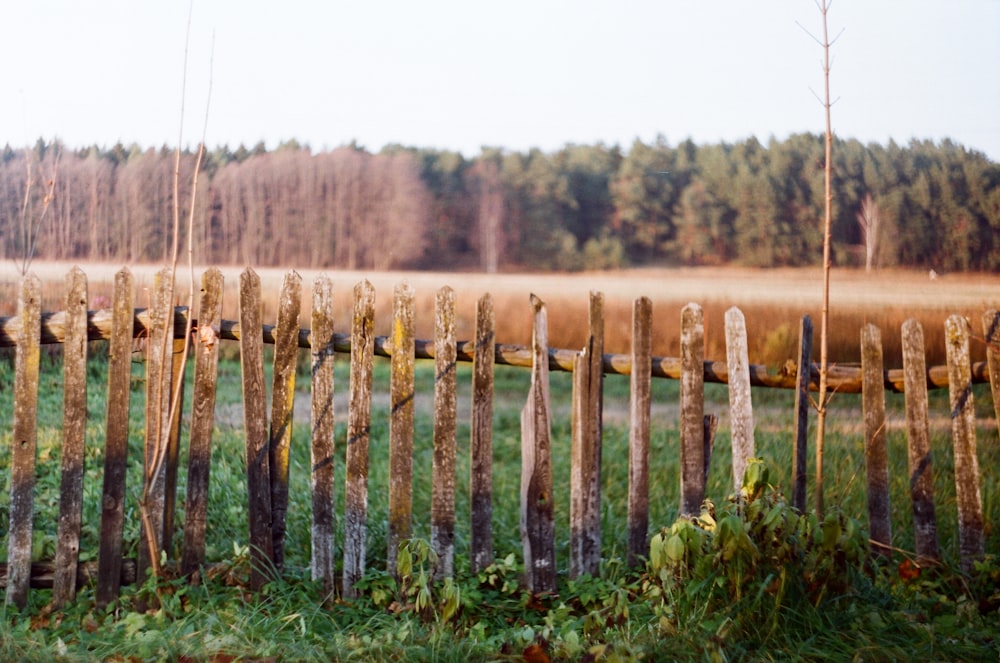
x=30, y=230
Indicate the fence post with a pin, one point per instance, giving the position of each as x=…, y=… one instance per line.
x=481, y=443
x=991, y=335
x=876, y=454
x=585, y=463
x=740, y=406
x=692, y=409
x=286, y=350
x=206, y=370
x=537, y=511
x=801, y=449
x=401, y=422
x=22, y=457
x=963, y=427
x=74, y=435
x=445, y=414
x=358, y=434
x=640, y=399
x=918, y=438
x=255, y=424
x=322, y=447
x=109, y=563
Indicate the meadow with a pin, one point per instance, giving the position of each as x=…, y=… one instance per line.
x=882, y=612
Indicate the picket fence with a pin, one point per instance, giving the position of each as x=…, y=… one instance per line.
x=164, y=328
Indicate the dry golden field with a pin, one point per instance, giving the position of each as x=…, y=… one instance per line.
x=773, y=302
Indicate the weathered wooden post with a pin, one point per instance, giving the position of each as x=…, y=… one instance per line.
x=640, y=399
x=481, y=434
x=800, y=451
x=445, y=418
x=740, y=406
x=991, y=334
x=692, y=409
x=322, y=422
x=401, y=422
x=876, y=453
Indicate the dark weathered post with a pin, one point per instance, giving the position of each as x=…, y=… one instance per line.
x=109, y=567
x=358, y=435
x=692, y=409
x=401, y=422
x=740, y=406
x=991, y=333
x=322, y=449
x=22, y=456
x=445, y=415
x=537, y=510
x=74, y=434
x=640, y=399
x=255, y=423
x=918, y=436
x=481, y=434
x=286, y=350
x=963, y=430
x=800, y=451
x=206, y=371
x=585, y=467
x=876, y=453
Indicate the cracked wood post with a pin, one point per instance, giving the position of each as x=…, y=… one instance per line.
x=321, y=479
x=963, y=429
x=401, y=422
x=358, y=435
x=692, y=410
x=445, y=416
x=991, y=334
x=800, y=451
x=740, y=405
x=876, y=451
x=640, y=399
x=918, y=443
x=481, y=437
x=537, y=512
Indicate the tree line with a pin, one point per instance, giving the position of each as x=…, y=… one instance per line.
x=926, y=205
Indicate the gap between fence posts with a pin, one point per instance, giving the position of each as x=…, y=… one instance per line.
x=803, y=377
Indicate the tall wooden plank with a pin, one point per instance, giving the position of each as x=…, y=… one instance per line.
x=255, y=425
x=445, y=416
x=159, y=345
x=109, y=567
x=802, y=405
x=740, y=406
x=401, y=422
x=918, y=443
x=963, y=430
x=537, y=499
x=286, y=350
x=481, y=436
x=692, y=410
x=174, y=436
x=322, y=449
x=585, y=466
x=876, y=451
x=74, y=438
x=991, y=333
x=206, y=371
x=23, y=451
x=358, y=435
x=640, y=400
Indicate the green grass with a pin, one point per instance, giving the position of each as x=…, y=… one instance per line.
x=880, y=617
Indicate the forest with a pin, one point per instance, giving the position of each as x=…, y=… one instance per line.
x=923, y=205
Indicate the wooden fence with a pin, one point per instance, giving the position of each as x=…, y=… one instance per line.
x=164, y=328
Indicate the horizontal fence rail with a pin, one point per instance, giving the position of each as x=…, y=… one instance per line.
x=170, y=337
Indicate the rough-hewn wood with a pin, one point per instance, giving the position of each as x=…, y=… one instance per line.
x=445, y=417
x=537, y=499
x=585, y=449
x=322, y=448
x=481, y=437
x=255, y=427
x=401, y=422
x=991, y=333
x=173, y=441
x=803, y=404
x=74, y=436
x=109, y=571
x=692, y=410
x=963, y=430
x=919, y=445
x=358, y=435
x=282, y=407
x=23, y=441
x=206, y=371
x=640, y=399
x=876, y=452
x=740, y=406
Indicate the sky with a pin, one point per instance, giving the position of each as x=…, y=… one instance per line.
x=519, y=74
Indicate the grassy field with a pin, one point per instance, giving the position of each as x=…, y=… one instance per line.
x=882, y=613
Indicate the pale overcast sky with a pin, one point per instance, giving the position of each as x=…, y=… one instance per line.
x=516, y=74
